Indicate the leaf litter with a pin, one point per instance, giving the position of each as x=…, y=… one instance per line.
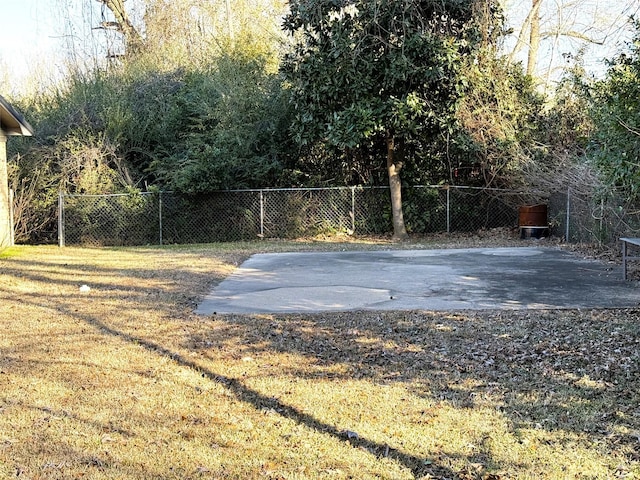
x=460, y=395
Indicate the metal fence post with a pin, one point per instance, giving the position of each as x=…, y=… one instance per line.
x=601, y=233
x=566, y=235
x=261, y=235
x=448, y=209
x=353, y=210
x=295, y=212
x=160, y=215
x=60, y=219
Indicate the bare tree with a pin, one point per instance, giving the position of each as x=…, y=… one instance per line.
x=530, y=26
x=122, y=24
x=548, y=32
x=4, y=77
x=192, y=30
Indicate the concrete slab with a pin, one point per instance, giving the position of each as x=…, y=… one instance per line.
x=454, y=279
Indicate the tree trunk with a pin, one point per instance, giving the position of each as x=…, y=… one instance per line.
x=526, y=28
x=395, y=187
x=534, y=38
x=133, y=39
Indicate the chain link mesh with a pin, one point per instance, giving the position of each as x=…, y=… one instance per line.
x=157, y=218
x=215, y=217
x=598, y=219
x=169, y=218
x=299, y=213
x=110, y=219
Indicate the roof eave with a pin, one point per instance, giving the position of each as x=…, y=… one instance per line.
x=11, y=122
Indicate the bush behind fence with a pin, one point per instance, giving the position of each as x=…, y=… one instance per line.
x=170, y=218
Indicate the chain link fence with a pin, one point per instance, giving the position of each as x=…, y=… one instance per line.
x=170, y=218
x=600, y=217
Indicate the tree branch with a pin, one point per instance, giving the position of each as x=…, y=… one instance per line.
x=132, y=36
x=523, y=30
x=628, y=128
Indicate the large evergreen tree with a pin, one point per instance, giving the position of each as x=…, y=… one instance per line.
x=370, y=70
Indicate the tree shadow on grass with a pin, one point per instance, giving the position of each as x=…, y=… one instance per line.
x=536, y=367
x=263, y=402
x=558, y=371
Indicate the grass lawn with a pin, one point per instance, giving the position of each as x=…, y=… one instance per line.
x=124, y=382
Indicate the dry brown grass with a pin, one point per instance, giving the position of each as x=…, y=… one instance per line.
x=124, y=382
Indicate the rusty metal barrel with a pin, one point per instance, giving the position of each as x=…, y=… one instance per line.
x=533, y=221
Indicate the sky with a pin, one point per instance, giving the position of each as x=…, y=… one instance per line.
x=27, y=35
x=34, y=39
x=31, y=34
x=603, y=21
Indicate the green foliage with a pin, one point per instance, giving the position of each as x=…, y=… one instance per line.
x=196, y=107
x=428, y=73
x=366, y=69
x=566, y=125
x=497, y=122
x=131, y=127
x=201, y=106
x=366, y=73
x=425, y=210
x=231, y=132
x=111, y=220
x=77, y=160
x=615, y=143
